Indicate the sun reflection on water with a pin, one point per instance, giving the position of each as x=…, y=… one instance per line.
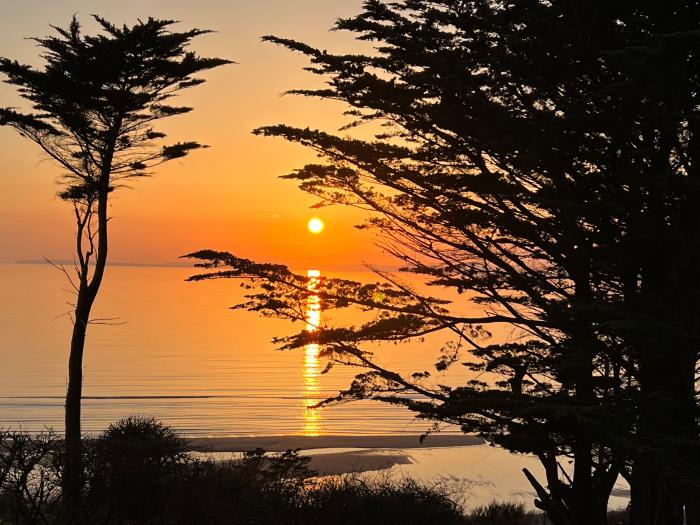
x=312, y=369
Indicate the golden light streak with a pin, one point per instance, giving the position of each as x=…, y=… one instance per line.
x=312, y=368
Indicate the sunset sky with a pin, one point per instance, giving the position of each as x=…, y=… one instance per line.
x=227, y=197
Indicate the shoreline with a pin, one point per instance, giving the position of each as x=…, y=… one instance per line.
x=337, y=454
x=283, y=443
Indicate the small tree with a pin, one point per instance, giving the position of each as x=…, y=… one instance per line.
x=95, y=102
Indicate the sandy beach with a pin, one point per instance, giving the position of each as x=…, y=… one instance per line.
x=472, y=471
x=282, y=443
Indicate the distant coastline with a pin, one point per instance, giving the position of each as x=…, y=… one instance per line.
x=173, y=264
x=190, y=264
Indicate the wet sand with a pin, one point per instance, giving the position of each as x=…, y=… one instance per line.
x=335, y=463
x=282, y=443
x=475, y=474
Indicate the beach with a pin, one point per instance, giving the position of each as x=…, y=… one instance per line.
x=474, y=472
x=282, y=443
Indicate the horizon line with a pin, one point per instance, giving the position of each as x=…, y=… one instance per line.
x=181, y=264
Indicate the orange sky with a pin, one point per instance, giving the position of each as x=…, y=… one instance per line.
x=227, y=197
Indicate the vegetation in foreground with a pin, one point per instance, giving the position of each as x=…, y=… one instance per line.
x=138, y=472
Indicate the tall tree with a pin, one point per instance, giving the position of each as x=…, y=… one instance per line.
x=95, y=102
x=531, y=157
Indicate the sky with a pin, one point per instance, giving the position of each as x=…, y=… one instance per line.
x=227, y=197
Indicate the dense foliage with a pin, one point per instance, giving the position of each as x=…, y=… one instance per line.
x=138, y=472
x=543, y=157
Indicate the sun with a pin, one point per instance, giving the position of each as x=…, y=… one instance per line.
x=315, y=225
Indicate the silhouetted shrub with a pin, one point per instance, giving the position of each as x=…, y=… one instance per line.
x=496, y=513
x=224, y=493
x=353, y=500
x=137, y=472
x=258, y=488
x=131, y=470
x=29, y=477
x=618, y=517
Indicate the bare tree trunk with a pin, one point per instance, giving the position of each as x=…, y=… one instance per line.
x=72, y=474
x=87, y=292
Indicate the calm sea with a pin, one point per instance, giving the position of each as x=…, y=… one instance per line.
x=174, y=350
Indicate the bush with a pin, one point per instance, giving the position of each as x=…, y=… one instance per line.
x=137, y=472
x=29, y=477
x=131, y=470
x=350, y=500
x=258, y=489
x=496, y=513
x=225, y=493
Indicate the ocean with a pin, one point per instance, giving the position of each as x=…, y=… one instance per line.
x=174, y=350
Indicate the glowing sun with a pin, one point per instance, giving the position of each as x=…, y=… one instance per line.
x=315, y=225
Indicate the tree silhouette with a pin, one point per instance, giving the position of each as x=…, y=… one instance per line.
x=94, y=103
x=541, y=156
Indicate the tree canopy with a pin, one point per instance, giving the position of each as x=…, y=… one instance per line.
x=542, y=156
x=97, y=97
